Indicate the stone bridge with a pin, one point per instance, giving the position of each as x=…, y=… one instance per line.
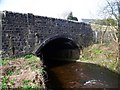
x=47, y=37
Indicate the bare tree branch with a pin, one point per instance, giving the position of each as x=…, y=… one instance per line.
x=112, y=9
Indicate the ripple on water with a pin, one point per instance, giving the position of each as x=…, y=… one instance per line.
x=81, y=75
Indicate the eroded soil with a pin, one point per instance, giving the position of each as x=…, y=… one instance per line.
x=22, y=73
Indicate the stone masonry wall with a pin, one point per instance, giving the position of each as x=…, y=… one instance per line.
x=25, y=33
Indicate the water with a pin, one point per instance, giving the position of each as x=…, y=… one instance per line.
x=64, y=75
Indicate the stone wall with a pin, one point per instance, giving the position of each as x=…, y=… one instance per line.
x=25, y=33
x=103, y=36
x=0, y=34
x=103, y=33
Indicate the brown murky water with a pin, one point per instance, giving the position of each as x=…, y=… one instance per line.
x=64, y=75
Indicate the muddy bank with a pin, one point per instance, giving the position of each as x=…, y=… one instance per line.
x=24, y=73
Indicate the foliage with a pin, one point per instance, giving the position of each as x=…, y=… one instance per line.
x=71, y=17
x=3, y=62
x=103, y=55
x=112, y=9
x=111, y=22
x=4, y=82
x=28, y=56
x=107, y=22
x=26, y=81
x=28, y=64
x=97, y=51
x=12, y=81
x=9, y=73
x=111, y=13
x=27, y=86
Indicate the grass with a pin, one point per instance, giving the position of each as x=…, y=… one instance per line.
x=20, y=72
x=26, y=81
x=102, y=54
x=4, y=82
x=28, y=87
x=3, y=62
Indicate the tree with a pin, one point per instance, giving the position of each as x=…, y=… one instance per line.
x=107, y=22
x=111, y=22
x=112, y=9
x=71, y=17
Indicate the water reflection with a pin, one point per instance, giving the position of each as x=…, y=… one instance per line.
x=80, y=75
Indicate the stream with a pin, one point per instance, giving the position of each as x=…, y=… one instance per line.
x=65, y=74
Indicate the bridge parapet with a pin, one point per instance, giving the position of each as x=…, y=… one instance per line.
x=25, y=33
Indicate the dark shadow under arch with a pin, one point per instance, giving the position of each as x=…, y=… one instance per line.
x=60, y=48
x=46, y=41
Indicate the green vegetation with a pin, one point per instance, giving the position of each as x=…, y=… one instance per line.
x=12, y=81
x=102, y=54
x=9, y=73
x=28, y=56
x=26, y=81
x=4, y=82
x=3, y=62
x=29, y=87
x=71, y=17
x=24, y=72
x=107, y=22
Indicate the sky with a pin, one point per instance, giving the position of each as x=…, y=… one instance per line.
x=87, y=9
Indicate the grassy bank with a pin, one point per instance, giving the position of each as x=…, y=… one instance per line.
x=105, y=55
x=25, y=72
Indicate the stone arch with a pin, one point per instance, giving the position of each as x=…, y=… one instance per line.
x=59, y=47
x=53, y=38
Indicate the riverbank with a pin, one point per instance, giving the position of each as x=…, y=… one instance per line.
x=97, y=68
x=26, y=72
x=97, y=63
x=105, y=55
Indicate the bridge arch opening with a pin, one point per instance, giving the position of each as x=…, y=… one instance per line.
x=63, y=49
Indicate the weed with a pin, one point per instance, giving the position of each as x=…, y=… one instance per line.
x=26, y=81
x=26, y=86
x=36, y=87
x=4, y=85
x=83, y=58
x=13, y=81
x=102, y=54
x=29, y=87
x=28, y=56
x=42, y=71
x=32, y=62
x=98, y=51
x=9, y=73
x=3, y=62
x=4, y=82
